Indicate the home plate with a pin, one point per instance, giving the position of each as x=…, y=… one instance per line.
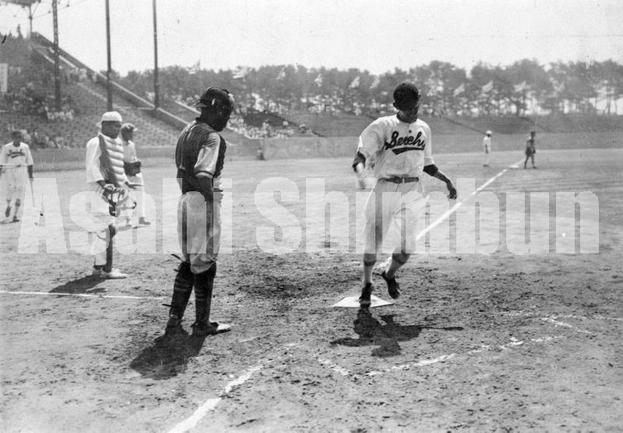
x=353, y=302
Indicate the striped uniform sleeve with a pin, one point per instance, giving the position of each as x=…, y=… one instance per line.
x=208, y=156
x=428, y=150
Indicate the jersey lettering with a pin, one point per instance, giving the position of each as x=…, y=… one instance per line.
x=399, y=144
x=16, y=153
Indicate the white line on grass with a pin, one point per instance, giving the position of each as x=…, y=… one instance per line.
x=457, y=205
x=80, y=295
x=211, y=403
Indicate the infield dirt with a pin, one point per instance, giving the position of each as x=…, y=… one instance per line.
x=478, y=342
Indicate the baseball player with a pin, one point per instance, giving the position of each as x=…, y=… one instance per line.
x=199, y=157
x=530, y=149
x=15, y=164
x=486, y=147
x=399, y=146
x=132, y=168
x=107, y=180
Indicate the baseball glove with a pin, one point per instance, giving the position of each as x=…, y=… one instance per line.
x=132, y=168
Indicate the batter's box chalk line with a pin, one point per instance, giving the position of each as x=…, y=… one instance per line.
x=210, y=404
x=513, y=343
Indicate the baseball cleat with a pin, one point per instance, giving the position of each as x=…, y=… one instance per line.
x=364, y=299
x=16, y=219
x=174, y=325
x=144, y=222
x=392, y=286
x=202, y=329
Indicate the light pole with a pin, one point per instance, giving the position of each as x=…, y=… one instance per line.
x=156, y=84
x=57, y=66
x=108, y=70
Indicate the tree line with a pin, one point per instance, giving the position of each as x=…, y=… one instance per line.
x=526, y=85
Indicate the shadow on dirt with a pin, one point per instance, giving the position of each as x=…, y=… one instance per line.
x=387, y=336
x=81, y=285
x=167, y=357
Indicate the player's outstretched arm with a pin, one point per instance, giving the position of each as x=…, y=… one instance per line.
x=433, y=171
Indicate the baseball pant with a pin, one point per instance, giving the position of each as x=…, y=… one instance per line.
x=14, y=180
x=199, y=230
x=138, y=194
x=393, y=207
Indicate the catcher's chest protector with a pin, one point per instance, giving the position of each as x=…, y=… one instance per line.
x=111, y=161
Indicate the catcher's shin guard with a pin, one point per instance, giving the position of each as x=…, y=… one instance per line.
x=18, y=203
x=182, y=287
x=110, y=234
x=204, y=283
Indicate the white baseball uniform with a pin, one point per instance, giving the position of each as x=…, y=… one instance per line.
x=14, y=161
x=138, y=193
x=486, y=147
x=104, y=161
x=399, y=151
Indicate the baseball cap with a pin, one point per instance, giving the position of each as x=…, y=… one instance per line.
x=488, y=133
x=406, y=96
x=215, y=96
x=111, y=116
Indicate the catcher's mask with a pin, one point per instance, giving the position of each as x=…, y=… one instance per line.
x=119, y=200
x=216, y=105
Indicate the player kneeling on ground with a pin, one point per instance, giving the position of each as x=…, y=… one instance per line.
x=400, y=148
x=199, y=157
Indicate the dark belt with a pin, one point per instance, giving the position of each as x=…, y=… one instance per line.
x=397, y=179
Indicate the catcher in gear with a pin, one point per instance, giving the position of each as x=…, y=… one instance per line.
x=400, y=149
x=199, y=158
x=107, y=181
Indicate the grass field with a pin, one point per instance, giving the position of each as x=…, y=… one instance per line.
x=517, y=339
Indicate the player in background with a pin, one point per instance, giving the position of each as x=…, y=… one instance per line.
x=132, y=168
x=399, y=146
x=486, y=147
x=199, y=158
x=15, y=166
x=530, y=149
x=106, y=179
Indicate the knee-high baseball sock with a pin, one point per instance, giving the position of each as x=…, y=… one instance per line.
x=182, y=287
x=368, y=265
x=204, y=283
x=7, y=211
